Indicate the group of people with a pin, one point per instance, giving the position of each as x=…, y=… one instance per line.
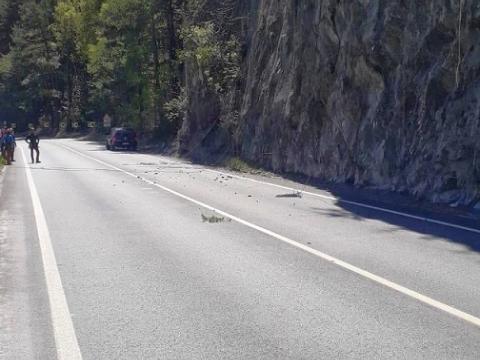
x=8, y=144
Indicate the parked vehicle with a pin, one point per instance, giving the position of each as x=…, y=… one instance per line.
x=122, y=138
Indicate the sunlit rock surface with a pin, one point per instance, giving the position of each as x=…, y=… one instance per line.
x=374, y=93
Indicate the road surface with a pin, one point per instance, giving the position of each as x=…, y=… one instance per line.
x=115, y=255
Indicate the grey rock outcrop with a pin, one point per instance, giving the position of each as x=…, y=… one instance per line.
x=370, y=92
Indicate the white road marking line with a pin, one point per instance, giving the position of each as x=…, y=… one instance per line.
x=64, y=332
x=359, y=204
x=366, y=274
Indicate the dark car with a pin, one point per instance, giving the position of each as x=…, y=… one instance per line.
x=122, y=138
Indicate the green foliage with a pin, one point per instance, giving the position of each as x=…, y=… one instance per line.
x=9, y=15
x=6, y=66
x=75, y=60
x=201, y=45
x=119, y=61
x=29, y=71
x=238, y=165
x=67, y=24
x=176, y=108
x=218, y=60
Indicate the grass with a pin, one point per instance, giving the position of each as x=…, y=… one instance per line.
x=239, y=165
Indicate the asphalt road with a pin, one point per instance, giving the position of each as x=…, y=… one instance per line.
x=136, y=270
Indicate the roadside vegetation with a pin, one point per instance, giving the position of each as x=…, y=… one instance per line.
x=66, y=63
x=239, y=165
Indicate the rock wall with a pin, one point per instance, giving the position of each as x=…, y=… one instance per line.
x=370, y=92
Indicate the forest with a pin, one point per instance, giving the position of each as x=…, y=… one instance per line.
x=66, y=63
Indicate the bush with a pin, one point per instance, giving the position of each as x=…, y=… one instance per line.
x=237, y=164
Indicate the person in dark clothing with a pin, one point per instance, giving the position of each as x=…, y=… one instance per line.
x=8, y=143
x=14, y=144
x=3, y=132
x=33, y=142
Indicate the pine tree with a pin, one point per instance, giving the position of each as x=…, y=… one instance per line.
x=29, y=72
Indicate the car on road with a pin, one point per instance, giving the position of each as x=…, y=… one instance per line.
x=122, y=138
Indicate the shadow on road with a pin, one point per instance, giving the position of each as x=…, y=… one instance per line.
x=430, y=231
x=383, y=199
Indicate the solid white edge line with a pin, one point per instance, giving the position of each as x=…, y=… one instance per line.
x=366, y=274
x=64, y=333
x=355, y=203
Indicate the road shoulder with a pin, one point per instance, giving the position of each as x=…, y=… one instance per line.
x=24, y=311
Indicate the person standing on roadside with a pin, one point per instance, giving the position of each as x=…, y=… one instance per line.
x=14, y=144
x=4, y=132
x=33, y=142
x=2, y=146
x=8, y=143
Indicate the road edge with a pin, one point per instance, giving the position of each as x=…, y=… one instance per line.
x=64, y=333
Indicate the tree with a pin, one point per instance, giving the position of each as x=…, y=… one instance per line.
x=9, y=16
x=30, y=70
x=74, y=59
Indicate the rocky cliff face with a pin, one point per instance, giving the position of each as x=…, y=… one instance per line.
x=370, y=92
